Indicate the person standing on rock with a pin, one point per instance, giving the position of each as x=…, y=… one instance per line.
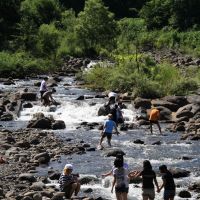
x=121, y=180
x=43, y=87
x=154, y=117
x=108, y=127
x=148, y=177
x=69, y=182
x=47, y=97
x=168, y=183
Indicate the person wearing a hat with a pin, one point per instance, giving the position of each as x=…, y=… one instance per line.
x=108, y=127
x=69, y=182
x=47, y=97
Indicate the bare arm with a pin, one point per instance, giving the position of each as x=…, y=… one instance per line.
x=113, y=184
x=161, y=187
x=134, y=174
x=107, y=174
x=156, y=183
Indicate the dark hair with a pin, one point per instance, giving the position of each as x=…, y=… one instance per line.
x=120, y=156
x=118, y=163
x=147, y=165
x=46, y=78
x=163, y=168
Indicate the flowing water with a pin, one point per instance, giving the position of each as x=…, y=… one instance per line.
x=94, y=163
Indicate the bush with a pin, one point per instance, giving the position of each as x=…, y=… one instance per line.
x=21, y=64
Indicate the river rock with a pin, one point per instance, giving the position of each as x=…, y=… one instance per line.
x=141, y=102
x=184, y=194
x=55, y=176
x=37, y=186
x=28, y=96
x=27, y=105
x=88, y=179
x=58, y=196
x=179, y=100
x=178, y=173
x=103, y=110
x=43, y=158
x=88, y=190
x=58, y=124
x=44, y=123
x=80, y=98
x=37, y=196
x=6, y=117
x=138, y=141
x=171, y=106
x=114, y=152
x=193, y=99
x=27, y=177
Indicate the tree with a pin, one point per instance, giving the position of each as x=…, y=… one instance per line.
x=157, y=13
x=9, y=16
x=48, y=41
x=34, y=13
x=96, y=27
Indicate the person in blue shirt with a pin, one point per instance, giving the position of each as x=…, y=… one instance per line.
x=108, y=127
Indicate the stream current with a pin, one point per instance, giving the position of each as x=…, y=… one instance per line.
x=94, y=163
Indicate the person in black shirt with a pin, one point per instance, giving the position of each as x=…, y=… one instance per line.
x=148, y=177
x=168, y=183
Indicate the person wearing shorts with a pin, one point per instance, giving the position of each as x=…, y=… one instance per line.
x=168, y=183
x=121, y=180
x=153, y=119
x=148, y=177
x=108, y=127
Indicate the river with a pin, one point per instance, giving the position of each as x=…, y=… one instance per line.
x=94, y=163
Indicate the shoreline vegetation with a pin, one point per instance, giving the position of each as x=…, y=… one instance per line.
x=38, y=37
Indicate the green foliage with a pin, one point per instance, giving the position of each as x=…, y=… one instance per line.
x=21, y=64
x=48, y=40
x=151, y=81
x=96, y=27
x=156, y=13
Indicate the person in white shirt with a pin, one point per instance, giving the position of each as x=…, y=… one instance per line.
x=43, y=87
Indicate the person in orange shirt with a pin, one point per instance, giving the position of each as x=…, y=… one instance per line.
x=153, y=118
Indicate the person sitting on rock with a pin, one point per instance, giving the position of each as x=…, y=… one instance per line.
x=47, y=97
x=69, y=182
x=153, y=119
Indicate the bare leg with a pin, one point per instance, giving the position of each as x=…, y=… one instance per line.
x=118, y=196
x=78, y=186
x=124, y=196
x=145, y=197
x=151, y=127
x=171, y=198
x=101, y=140
x=159, y=127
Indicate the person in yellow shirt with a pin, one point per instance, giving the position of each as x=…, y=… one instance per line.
x=153, y=118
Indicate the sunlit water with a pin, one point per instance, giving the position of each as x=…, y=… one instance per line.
x=94, y=163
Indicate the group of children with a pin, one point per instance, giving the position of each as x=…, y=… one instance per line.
x=70, y=184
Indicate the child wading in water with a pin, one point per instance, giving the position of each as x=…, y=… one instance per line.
x=148, y=177
x=121, y=180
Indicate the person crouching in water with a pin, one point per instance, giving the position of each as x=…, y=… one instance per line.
x=148, y=176
x=108, y=127
x=121, y=180
x=69, y=182
x=47, y=97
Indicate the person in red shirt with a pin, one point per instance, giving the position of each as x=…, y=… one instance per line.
x=154, y=119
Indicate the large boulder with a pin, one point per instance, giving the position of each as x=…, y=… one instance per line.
x=6, y=117
x=171, y=106
x=179, y=100
x=179, y=173
x=165, y=113
x=104, y=110
x=43, y=123
x=193, y=99
x=143, y=103
x=58, y=124
x=184, y=194
x=28, y=96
